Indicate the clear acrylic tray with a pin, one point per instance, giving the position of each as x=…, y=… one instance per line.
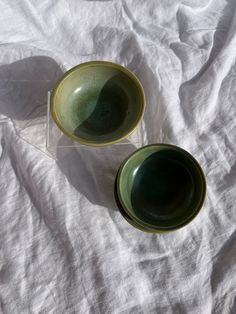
x=42, y=133
x=55, y=139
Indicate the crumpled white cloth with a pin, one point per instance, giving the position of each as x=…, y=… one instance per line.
x=64, y=247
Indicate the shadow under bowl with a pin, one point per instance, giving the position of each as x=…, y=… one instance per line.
x=98, y=103
x=161, y=187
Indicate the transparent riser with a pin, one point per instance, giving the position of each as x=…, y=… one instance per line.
x=55, y=139
x=40, y=131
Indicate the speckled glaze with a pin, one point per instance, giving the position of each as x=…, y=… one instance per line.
x=98, y=103
x=161, y=187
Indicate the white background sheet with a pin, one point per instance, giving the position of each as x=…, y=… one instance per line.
x=64, y=247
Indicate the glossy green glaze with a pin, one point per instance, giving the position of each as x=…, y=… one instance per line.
x=125, y=215
x=133, y=223
x=161, y=187
x=98, y=103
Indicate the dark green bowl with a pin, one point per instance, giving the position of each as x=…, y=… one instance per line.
x=125, y=215
x=98, y=103
x=161, y=187
x=133, y=223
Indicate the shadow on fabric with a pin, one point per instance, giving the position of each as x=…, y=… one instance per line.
x=24, y=85
x=91, y=171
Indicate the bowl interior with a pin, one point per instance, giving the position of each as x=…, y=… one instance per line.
x=125, y=215
x=98, y=102
x=161, y=186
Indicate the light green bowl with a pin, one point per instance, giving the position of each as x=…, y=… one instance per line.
x=161, y=187
x=98, y=103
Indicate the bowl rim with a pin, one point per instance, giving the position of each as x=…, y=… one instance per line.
x=93, y=63
x=155, y=227
x=124, y=213
x=134, y=224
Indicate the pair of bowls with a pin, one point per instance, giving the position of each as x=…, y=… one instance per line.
x=160, y=187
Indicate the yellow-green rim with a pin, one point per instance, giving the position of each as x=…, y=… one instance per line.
x=131, y=75
x=152, y=227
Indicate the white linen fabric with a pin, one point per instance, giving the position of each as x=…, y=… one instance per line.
x=64, y=247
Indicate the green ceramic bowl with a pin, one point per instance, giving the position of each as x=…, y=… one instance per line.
x=125, y=215
x=133, y=223
x=98, y=103
x=161, y=187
